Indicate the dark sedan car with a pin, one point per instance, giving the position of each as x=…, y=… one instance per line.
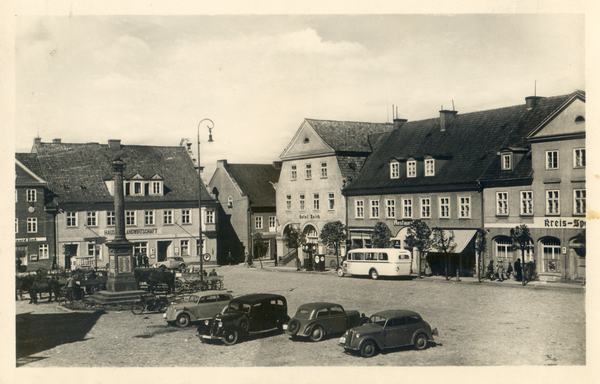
x=316, y=320
x=389, y=329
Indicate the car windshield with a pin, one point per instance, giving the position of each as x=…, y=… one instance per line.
x=303, y=313
x=379, y=320
x=237, y=306
x=192, y=299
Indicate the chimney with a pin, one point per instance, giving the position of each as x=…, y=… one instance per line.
x=532, y=101
x=398, y=122
x=56, y=141
x=37, y=141
x=277, y=164
x=446, y=118
x=221, y=163
x=114, y=144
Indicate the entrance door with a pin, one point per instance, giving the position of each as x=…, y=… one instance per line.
x=70, y=251
x=162, y=250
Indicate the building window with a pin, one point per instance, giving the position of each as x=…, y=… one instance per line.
x=140, y=248
x=551, y=255
x=430, y=167
x=407, y=208
x=579, y=158
x=425, y=208
x=526, y=203
x=465, y=207
x=129, y=217
x=91, y=247
x=137, y=188
x=157, y=187
x=44, y=252
x=230, y=202
x=71, y=218
x=302, y=201
x=374, y=209
x=502, y=203
x=552, y=203
x=551, y=159
x=31, y=195
x=91, y=219
x=360, y=209
x=167, y=216
x=31, y=224
x=444, y=208
x=272, y=222
x=503, y=251
x=16, y=225
x=110, y=218
x=184, y=245
x=390, y=208
x=149, y=217
x=411, y=168
x=506, y=163
x=394, y=170
x=288, y=202
x=186, y=216
x=323, y=170
x=316, y=206
x=258, y=222
x=210, y=217
x=294, y=174
x=331, y=200
x=308, y=172
x=579, y=201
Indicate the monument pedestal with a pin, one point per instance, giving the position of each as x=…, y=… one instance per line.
x=121, y=282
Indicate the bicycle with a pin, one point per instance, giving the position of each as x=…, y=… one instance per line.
x=183, y=285
x=149, y=304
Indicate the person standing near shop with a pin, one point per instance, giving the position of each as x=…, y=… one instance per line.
x=518, y=270
x=500, y=271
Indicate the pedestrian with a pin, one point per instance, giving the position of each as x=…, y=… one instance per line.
x=509, y=271
x=213, y=273
x=490, y=270
x=518, y=270
x=70, y=286
x=229, y=258
x=427, y=269
x=248, y=260
x=145, y=260
x=500, y=271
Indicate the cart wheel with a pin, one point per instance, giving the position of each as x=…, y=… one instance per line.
x=218, y=285
x=137, y=308
x=178, y=286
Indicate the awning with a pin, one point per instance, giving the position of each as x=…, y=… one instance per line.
x=462, y=238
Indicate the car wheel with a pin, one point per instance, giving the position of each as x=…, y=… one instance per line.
x=317, y=333
x=244, y=324
x=368, y=349
x=293, y=327
x=181, y=267
x=373, y=273
x=94, y=289
x=183, y=320
x=340, y=272
x=421, y=342
x=230, y=337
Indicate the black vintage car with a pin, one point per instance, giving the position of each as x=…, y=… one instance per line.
x=246, y=315
x=316, y=320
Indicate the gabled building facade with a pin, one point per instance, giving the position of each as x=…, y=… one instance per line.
x=161, y=201
x=447, y=171
x=322, y=157
x=246, y=193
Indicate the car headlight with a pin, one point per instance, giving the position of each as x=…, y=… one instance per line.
x=164, y=315
x=206, y=322
x=357, y=335
x=220, y=324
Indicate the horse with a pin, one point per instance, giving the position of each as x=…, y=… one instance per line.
x=155, y=276
x=34, y=284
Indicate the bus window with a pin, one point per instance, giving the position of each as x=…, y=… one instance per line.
x=406, y=257
x=383, y=256
x=357, y=256
x=370, y=256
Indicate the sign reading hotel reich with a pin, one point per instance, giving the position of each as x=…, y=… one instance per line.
x=546, y=223
x=134, y=231
x=311, y=216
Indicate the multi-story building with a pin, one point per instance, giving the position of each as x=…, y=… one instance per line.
x=320, y=159
x=462, y=172
x=161, y=201
x=247, y=196
x=35, y=213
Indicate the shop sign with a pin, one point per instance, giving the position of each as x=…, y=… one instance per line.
x=311, y=216
x=133, y=231
x=30, y=239
x=545, y=223
x=402, y=223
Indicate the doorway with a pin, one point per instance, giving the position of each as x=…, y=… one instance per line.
x=162, y=250
x=70, y=251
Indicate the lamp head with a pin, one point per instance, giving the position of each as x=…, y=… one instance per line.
x=210, y=140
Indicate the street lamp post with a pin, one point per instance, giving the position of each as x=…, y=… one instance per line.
x=200, y=187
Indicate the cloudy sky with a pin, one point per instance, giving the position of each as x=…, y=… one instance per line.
x=150, y=80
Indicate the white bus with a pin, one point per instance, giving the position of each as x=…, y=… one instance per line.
x=377, y=262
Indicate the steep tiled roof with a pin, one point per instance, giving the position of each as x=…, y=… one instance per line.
x=76, y=172
x=255, y=180
x=30, y=160
x=470, y=143
x=348, y=136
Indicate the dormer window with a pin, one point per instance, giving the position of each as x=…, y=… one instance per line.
x=411, y=168
x=156, y=188
x=306, y=141
x=137, y=188
x=394, y=170
x=429, y=167
x=580, y=119
x=506, y=161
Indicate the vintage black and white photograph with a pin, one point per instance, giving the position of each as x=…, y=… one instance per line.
x=290, y=189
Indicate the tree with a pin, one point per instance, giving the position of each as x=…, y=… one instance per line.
x=444, y=243
x=480, y=248
x=295, y=239
x=332, y=235
x=382, y=236
x=259, y=246
x=419, y=236
x=521, y=240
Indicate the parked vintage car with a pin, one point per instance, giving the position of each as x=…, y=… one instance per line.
x=174, y=262
x=244, y=316
x=388, y=329
x=316, y=320
x=197, y=307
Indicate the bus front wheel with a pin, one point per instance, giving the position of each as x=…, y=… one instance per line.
x=374, y=275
